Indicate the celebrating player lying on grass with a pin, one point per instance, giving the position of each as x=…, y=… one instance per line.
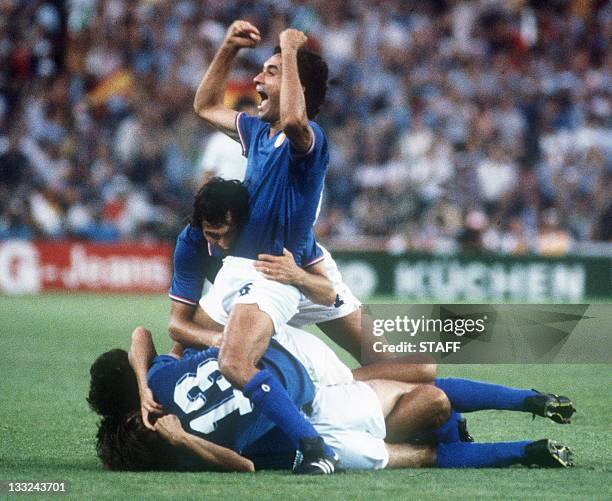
x=286, y=163
x=216, y=427
x=225, y=200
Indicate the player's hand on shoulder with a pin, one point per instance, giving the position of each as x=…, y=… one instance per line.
x=292, y=39
x=169, y=427
x=242, y=34
x=149, y=408
x=279, y=268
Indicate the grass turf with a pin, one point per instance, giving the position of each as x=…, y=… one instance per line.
x=47, y=431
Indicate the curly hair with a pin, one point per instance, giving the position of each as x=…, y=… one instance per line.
x=313, y=73
x=125, y=444
x=219, y=198
x=113, y=389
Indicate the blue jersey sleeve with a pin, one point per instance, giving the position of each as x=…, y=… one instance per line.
x=189, y=267
x=317, y=156
x=312, y=253
x=247, y=127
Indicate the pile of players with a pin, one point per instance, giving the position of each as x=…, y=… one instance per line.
x=244, y=388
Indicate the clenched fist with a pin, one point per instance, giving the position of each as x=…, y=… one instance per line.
x=242, y=34
x=292, y=39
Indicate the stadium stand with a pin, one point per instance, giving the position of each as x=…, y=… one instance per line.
x=454, y=125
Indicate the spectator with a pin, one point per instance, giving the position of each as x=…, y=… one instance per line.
x=438, y=110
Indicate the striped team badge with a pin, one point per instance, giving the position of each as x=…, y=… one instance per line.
x=279, y=140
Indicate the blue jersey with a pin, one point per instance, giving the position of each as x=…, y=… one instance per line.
x=192, y=263
x=284, y=191
x=209, y=407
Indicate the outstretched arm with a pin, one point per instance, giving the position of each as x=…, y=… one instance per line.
x=142, y=351
x=208, y=102
x=313, y=283
x=213, y=456
x=293, y=116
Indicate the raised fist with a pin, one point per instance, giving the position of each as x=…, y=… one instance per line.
x=292, y=39
x=242, y=34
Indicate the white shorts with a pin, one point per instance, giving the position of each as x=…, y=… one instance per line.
x=350, y=420
x=237, y=273
x=321, y=362
x=238, y=282
x=311, y=313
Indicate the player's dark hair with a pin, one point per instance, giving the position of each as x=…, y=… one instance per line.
x=113, y=389
x=125, y=444
x=313, y=73
x=216, y=199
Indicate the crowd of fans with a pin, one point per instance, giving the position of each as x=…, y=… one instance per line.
x=474, y=125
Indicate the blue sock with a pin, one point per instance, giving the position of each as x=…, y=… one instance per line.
x=467, y=396
x=270, y=397
x=448, y=432
x=473, y=455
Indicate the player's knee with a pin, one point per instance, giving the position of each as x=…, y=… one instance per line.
x=439, y=404
x=428, y=372
x=234, y=367
x=140, y=332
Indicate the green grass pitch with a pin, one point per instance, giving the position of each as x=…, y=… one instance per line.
x=47, y=431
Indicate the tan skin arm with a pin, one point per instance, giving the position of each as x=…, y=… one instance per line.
x=293, y=116
x=208, y=102
x=142, y=351
x=213, y=456
x=184, y=330
x=313, y=282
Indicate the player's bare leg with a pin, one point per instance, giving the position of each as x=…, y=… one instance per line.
x=247, y=336
x=424, y=409
x=544, y=453
x=410, y=456
x=346, y=332
x=349, y=333
x=400, y=369
x=410, y=409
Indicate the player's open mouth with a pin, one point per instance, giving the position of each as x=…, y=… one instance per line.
x=264, y=99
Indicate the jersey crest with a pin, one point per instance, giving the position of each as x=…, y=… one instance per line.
x=279, y=140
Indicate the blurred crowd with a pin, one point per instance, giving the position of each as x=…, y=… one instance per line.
x=453, y=124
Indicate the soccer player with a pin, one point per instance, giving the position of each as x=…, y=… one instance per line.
x=217, y=202
x=195, y=326
x=353, y=416
x=286, y=163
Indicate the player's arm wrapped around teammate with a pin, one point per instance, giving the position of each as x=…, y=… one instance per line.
x=313, y=282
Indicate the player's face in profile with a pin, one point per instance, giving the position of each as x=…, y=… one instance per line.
x=267, y=84
x=221, y=236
